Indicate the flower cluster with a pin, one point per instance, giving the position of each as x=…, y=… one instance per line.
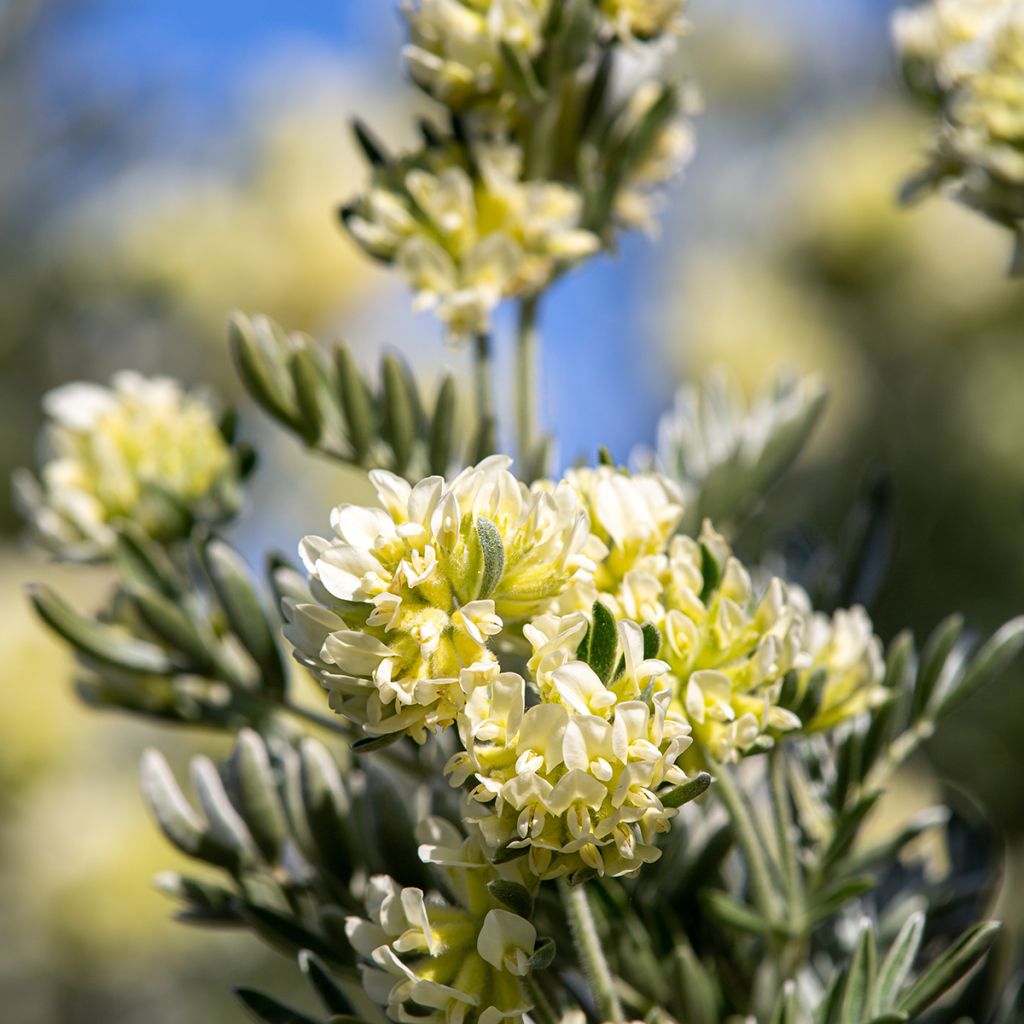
x=970, y=54
x=642, y=19
x=459, y=50
x=727, y=646
x=844, y=666
x=648, y=653
x=466, y=230
x=141, y=449
x=408, y=594
x=431, y=961
x=472, y=54
x=548, y=152
x=573, y=781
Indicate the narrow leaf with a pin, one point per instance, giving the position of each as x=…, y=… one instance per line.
x=687, y=791
x=254, y=791
x=493, y=556
x=176, y=817
x=355, y=403
x=265, y=1010
x=953, y=965
x=933, y=659
x=330, y=993
x=95, y=640
x=899, y=961
x=442, y=428
x=245, y=611
x=604, y=643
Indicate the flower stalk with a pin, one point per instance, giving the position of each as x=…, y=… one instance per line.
x=588, y=949
x=527, y=354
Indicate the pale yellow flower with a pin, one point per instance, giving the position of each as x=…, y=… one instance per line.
x=455, y=46
x=465, y=241
x=141, y=450
x=846, y=665
x=970, y=53
x=643, y=19
x=631, y=517
x=727, y=647
x=428, y=960
x=573, y=781
x=408, y=595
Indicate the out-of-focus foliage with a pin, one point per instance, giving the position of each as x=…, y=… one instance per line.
x=917, y=328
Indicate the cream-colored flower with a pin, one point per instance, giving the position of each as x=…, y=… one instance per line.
x=466, y=240
x=728, y=649
x=846, y=665
x=428, y=960
x=970, y=54
x=573, y=781
x=455, y=46
x=643, y=19
x=142, y=450
x=408, y=595
x=669, y=147
x=631, y=517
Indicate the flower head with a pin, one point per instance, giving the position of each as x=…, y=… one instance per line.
x=643, y=19
x=845, y=667
x=631, y=517
x=428, y=960
x=455, y=50
x=409, y=594
x=728, y=648
x=466, y=230
x=141, y=449
x=969, y=54
x=573, y=781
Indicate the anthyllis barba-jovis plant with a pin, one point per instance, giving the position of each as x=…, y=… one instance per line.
x=573, y=760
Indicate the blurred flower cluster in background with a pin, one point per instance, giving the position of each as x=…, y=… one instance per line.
x=163, y=164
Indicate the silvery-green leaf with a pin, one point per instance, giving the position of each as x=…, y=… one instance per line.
x=245, y=612
x=687, y=791
x=858, y=988
x=934, y=656
x=951, y=967
x=442, y=428
x=899, y=961
x=176, y=817
x=254, y=792
x=398, y=402
x=356, y=403
x=98, y=641
x=224, y=822
x=493, y=556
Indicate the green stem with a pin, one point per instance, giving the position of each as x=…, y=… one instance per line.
x=526, y=379
x=589, y=951
x=784, y=827
x=483, y=372
x=542, y=1011
x=762, y=891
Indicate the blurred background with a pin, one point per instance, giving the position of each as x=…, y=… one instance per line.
x=163, y=162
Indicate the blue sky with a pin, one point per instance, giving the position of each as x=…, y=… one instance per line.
x=597, y=336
